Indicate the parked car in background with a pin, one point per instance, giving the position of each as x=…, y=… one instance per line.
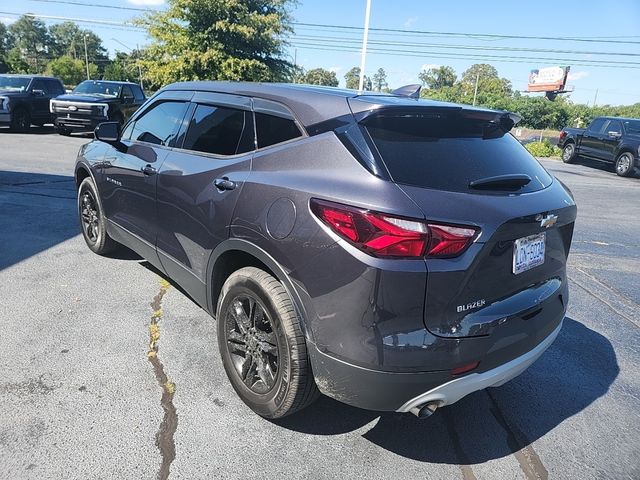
x=93, y=102
x=24, y=100
x=609, y=139
x=392, y=253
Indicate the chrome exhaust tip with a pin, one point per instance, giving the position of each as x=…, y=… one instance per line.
x=425, y=410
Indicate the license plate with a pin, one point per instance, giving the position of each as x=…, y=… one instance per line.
x=528, y=252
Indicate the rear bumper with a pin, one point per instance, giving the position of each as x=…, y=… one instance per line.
x=76, y=122
x=400, y=391
x=454, y=390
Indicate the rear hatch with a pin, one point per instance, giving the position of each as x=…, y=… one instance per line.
x=462, y=167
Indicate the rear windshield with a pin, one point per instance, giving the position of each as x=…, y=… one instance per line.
x=448, y=152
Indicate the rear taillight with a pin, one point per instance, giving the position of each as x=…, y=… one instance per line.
x=563, y=134
x=383, y=235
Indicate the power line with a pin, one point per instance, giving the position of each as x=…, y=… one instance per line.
x=459, y=47
x=346, y=49
x=473, y=35
x=95, y=5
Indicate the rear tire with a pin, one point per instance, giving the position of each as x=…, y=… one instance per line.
x=262, y=345
x=92, y=221
x=65, y=132
x=20, y=120
x=624, y=164
x=569, y=153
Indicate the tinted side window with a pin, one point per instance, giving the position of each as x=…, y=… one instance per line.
x=216, y=130
x=137, y=93
x=271, y=129
x=596, y=125
x=450, y=153
x=55, y=88
x=126, y=92
x=40, y=85
x=614, y=126
x=159, y=125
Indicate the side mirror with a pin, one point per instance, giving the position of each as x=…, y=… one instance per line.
x=37, y=92
x=108, y=132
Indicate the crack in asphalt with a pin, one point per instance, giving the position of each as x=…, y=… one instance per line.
x=165, y=434
x=522, y=449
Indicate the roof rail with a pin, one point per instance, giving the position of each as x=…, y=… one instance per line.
x=410, y=91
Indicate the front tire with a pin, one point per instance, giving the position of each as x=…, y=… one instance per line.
x=92, y=221
x=569, y=153
x=262, y=345
x=624, y=164
x=20, y=120
x=65, y=132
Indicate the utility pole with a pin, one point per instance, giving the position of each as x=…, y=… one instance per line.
x=595, y=98
x=86, y=55
x=475, y=92
x=367, y=16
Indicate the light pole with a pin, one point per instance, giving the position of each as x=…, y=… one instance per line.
x=86, y=55
x=367, y=15
x=131, y=50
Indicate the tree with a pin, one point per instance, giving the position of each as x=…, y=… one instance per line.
x=70, y=70
x=380, y=80
x=124, y=67
x=68, y=39
x=320, y=76
x=30, y=38
x=352, y=79
x=439, y=77
x=217, y=39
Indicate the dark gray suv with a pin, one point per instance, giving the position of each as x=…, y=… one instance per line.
x=392, y=253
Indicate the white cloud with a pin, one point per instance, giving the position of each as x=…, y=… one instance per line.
x=427, y=66
x=578, y=75
x=335, y=70
x=7, y=20
x=147, y=3
x=408, y=23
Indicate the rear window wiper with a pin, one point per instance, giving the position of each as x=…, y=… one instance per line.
x=501, y=182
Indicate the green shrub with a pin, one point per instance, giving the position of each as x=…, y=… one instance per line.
x=543, y=149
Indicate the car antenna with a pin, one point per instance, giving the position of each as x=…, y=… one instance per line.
x=411, y=91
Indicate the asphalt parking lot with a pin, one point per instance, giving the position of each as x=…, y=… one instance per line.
x=80, y=398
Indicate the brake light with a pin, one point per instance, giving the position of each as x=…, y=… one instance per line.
x=563, y=134
x=383, y=235
x=464, y=368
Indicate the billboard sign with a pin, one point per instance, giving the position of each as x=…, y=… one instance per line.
x=550, y=79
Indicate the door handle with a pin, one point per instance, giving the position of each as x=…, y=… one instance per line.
x=224, y=184
x=148, y=170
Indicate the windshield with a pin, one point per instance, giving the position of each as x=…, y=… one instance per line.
x=17, y=84
x=632, y=126
x=102, y=89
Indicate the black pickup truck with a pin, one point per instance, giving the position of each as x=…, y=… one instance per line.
x=609, y=139
x=93, y=102
x=24, y=100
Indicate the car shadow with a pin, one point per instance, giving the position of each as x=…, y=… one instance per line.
x=577, y=369
x=602, y=166
x=37, y=211
x=45, y=130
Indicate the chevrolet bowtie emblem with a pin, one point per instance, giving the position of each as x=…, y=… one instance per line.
x=547, y=221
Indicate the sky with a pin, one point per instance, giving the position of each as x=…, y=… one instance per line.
x=313, y=46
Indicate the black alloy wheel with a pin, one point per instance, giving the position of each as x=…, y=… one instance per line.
x=262, y=345
x=252, y=343
x=92, y=221
x=20, y=120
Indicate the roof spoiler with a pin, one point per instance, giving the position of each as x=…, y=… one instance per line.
x=409, y=91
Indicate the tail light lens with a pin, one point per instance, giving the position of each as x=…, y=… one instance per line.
x=563, y=134
x=383, y=235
